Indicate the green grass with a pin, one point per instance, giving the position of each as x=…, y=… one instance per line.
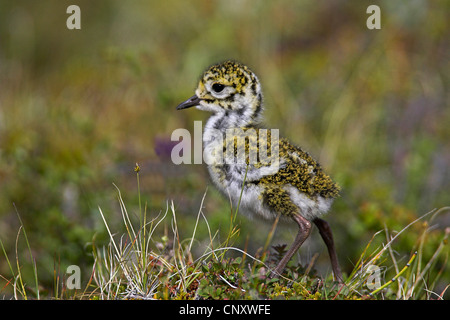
x=17, y=281
x=143, y=263
x=138, y=272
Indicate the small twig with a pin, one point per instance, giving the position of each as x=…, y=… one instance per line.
x=228, y=283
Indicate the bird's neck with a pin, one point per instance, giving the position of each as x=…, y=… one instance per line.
x=222, y=121
x=243, y=117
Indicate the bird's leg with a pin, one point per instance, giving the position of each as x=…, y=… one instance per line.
x=327, y=236
x=303, y=233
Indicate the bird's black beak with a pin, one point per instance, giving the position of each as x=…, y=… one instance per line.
x=191, y=102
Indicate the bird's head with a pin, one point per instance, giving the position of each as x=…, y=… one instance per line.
x=228, y=87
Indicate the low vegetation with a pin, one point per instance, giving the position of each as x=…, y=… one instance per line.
x=144, y=263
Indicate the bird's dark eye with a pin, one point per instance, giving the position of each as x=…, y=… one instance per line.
x=218, y=87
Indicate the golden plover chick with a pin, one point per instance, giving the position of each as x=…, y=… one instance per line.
x=282, y=181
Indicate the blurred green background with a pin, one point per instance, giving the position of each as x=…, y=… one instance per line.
x=78, y=109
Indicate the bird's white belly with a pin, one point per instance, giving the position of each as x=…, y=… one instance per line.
x=249, y=199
